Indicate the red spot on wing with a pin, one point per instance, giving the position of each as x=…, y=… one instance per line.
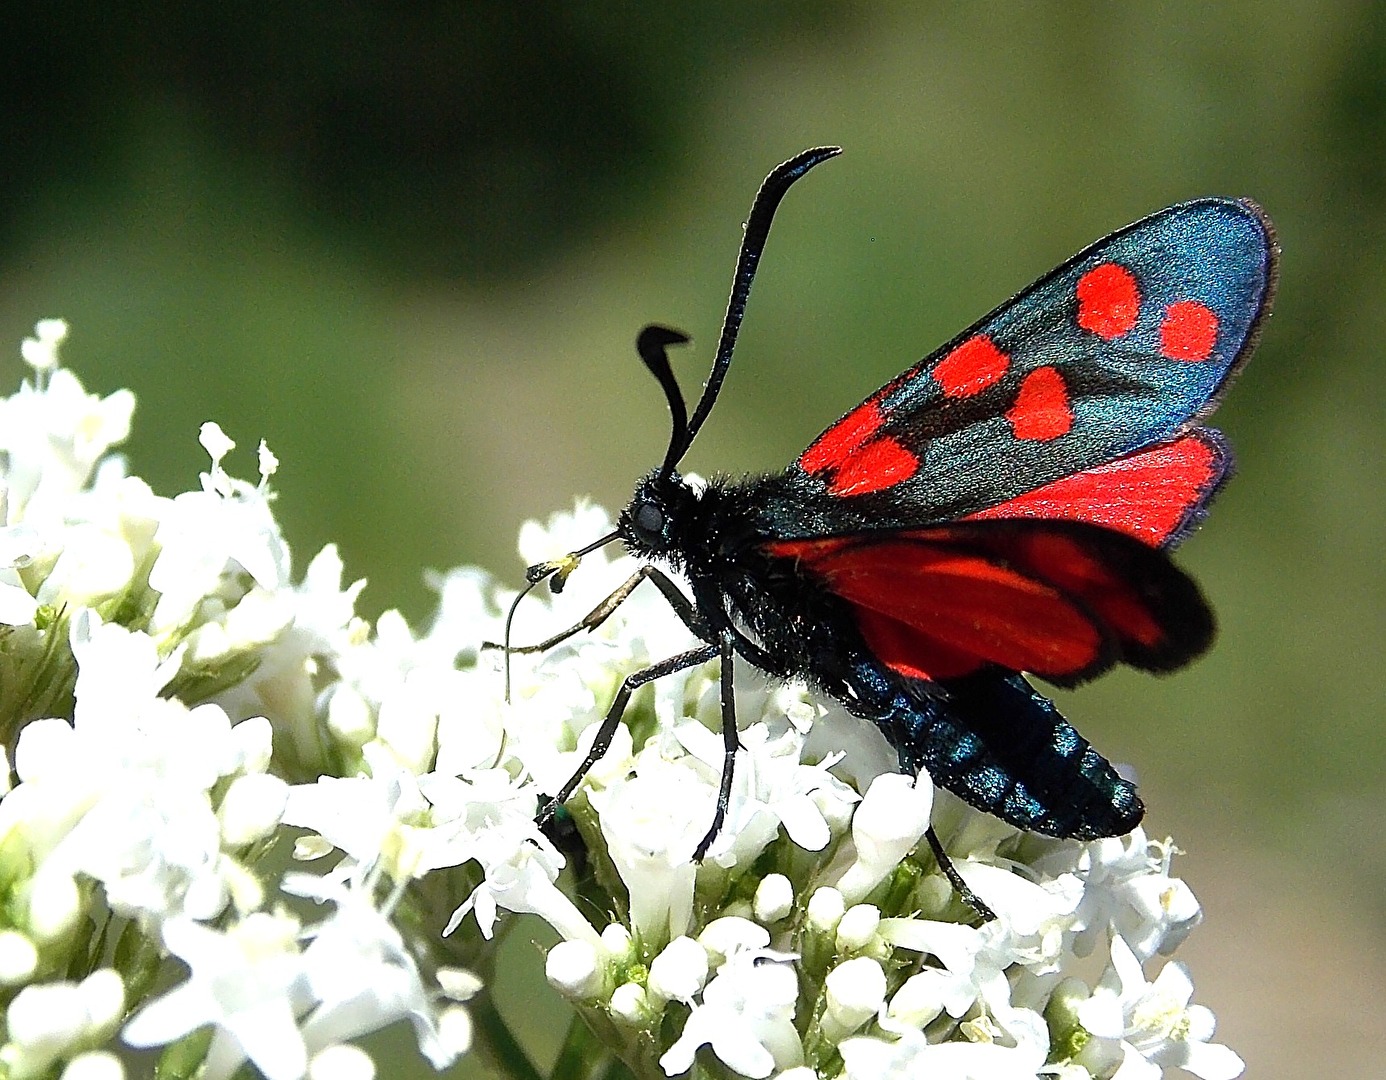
x=1108, y=301
x=1188, y=332
x=970, y=368
x=1041, y=411
x=1150, y=495
x=832, y=449
x=856, y=457
x=880, y=464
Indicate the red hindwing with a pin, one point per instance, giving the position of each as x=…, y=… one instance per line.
x=1061, y=599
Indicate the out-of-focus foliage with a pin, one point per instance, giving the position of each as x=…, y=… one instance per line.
x=439, y=138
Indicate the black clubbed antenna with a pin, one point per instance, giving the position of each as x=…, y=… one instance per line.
x=652, y=345
x=757, y=229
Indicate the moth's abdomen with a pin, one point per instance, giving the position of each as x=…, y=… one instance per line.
x=999, y=745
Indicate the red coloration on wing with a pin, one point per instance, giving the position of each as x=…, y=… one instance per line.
x=1188, y=332
x=1151, y=495
x=907, y=652
x=1062, y=600
x=857, y=457
x=832, y=449
x=880, y=464
x=970, y=368
x=1042, y=410
x=946, y=611
x=1080, y=570
x=1108, y=301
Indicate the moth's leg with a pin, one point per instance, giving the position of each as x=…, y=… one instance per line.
x=970, y=898
x=730, y=742
x=683, y=608
x=607, y=731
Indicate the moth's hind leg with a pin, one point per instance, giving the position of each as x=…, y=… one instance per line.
x=964, y=891
x=607, y=731
x=688, y=615
x=731, y=740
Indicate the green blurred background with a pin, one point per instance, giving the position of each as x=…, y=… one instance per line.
x=411, y=247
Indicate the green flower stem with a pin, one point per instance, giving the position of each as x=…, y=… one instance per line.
x=496, y=1044
x=585, y=1057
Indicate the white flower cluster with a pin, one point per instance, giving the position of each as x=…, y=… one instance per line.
x=181, y=714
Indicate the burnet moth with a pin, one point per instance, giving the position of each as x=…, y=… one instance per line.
x=1005, y=506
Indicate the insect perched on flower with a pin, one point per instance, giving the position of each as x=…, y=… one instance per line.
x=1004, y=506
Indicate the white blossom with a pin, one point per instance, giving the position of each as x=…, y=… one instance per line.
x=1153, y=1021
x=746, y=1014
x=245, y=982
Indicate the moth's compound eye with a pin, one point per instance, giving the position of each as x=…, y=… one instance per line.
x=649, y=520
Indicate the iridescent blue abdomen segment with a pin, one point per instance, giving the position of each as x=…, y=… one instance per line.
x=1002, y=747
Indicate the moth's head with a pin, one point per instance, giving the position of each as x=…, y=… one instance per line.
x=652, y=521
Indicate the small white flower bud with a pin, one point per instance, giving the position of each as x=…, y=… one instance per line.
x=727, y=935
x=855, y=990
x=774, y=898
x=18, y=958
x=891, y=819
x=207, y=895
x=349, y=717
x=918, y=1001
x=857, y=926
x=575, y=970
x=103, y=997
x=825, y=909
x=407, y=723
x=94, y=1065
x=679, y=971
x=254, y=741
x=45, y=1018
x=55, y=905
x=630, y=1003
x=799, y=1072
x=741, y=909
x=310, y=847
x=459, y=984
x=455, y=1030
x=341, y=1062
x=617, y=941
x=251, y=809
x=243, y=886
